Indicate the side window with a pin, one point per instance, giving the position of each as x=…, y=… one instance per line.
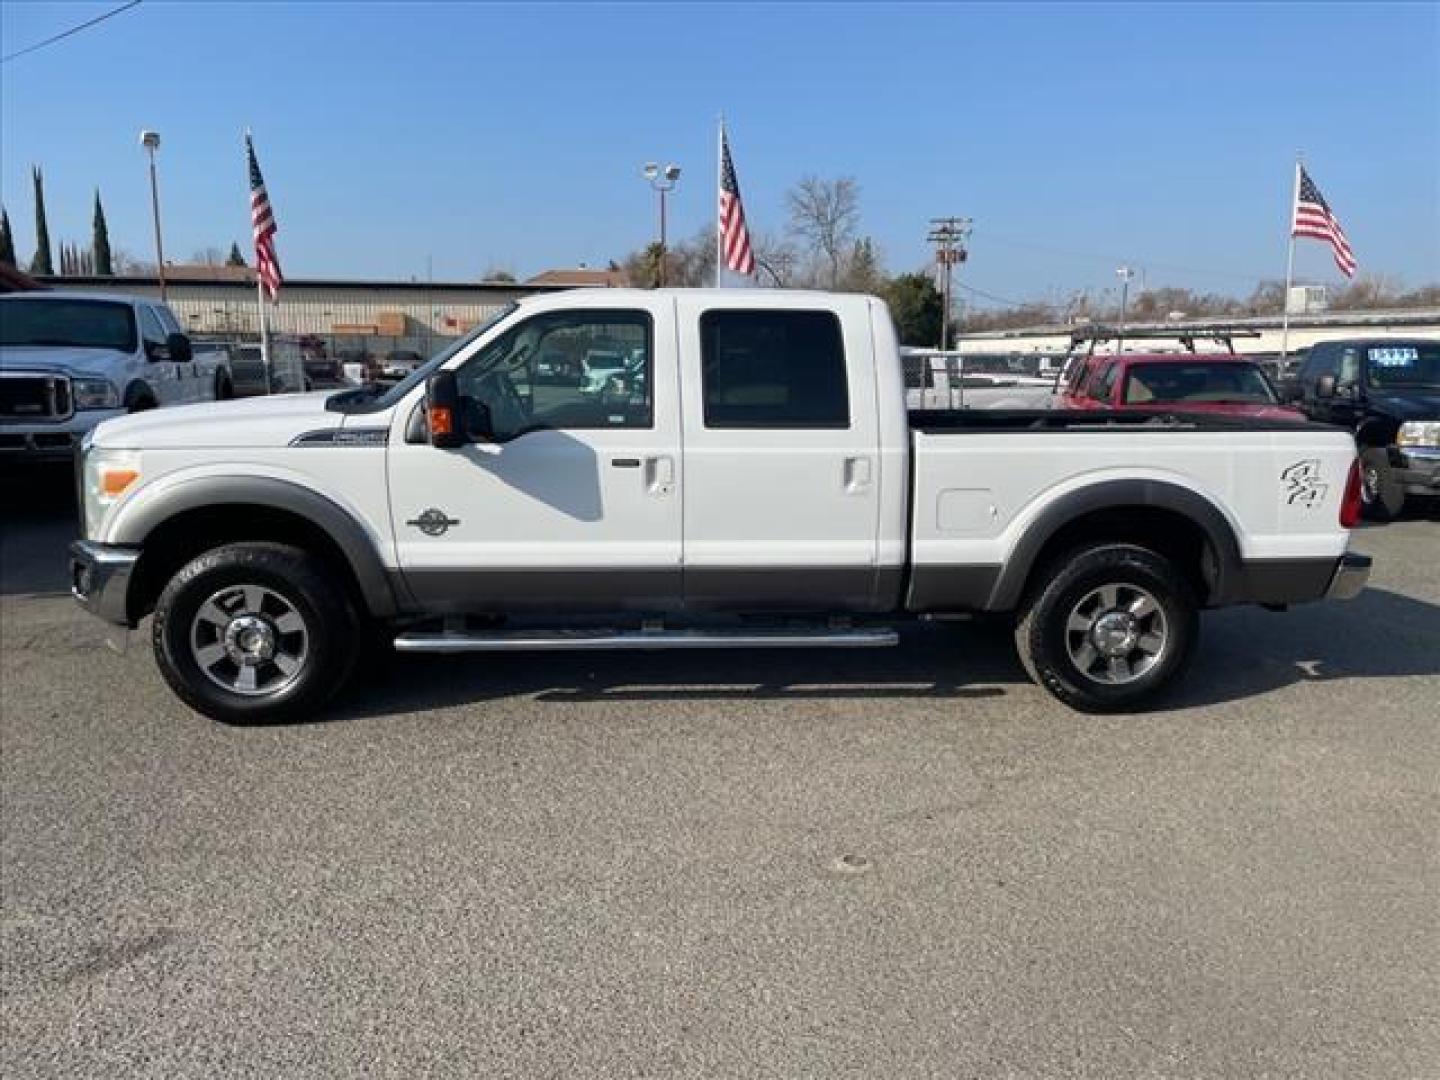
x=150, y=328
x=168, y=322
x=1103, y=380
x=1321, y=361
x=1349, y=373
x=773, y=369
x=570, y=369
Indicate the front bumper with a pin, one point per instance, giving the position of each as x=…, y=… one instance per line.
x=1417, y=471
x=1350, y=577
x=49, y=441
x=100, y=579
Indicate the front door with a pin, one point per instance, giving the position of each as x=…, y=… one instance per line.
x=575, y=504
x=781, y=458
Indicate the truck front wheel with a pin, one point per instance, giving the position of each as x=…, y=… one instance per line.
x=1107, y=627
x=255, y=633
x=1381, y=496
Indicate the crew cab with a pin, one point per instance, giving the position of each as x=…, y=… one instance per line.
x=70, y=359
x=756, y=482
x=1164, y=382
x=1387, y=391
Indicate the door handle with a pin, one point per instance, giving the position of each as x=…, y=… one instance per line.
x=659, y=475
x=625, y=462
x=857, y=475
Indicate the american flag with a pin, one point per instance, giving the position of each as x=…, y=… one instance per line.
x=734, y=236
x=1313, y=218
x=262, y=221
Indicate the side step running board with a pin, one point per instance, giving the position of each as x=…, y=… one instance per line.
x=691, y=639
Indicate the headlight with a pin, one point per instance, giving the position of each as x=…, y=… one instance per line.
x=1419, y=433
x=108, y=475
x=94, y=394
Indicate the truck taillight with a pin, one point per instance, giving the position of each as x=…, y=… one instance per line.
x=1350, y=505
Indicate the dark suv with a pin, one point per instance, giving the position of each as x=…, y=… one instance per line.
x=1387, y=391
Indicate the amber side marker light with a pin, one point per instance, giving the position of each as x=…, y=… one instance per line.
x=442, y=421
x=115, y=482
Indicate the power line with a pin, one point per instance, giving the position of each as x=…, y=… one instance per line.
x=67, y=33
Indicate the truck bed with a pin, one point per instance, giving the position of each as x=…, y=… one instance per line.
x=953, y=421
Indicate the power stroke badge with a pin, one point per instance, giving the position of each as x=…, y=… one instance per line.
x=1303, y=486
x=433, y=522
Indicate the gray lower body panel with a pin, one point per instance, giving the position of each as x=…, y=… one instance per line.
x=864, y=589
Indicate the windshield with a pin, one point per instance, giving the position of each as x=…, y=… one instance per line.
x=1397, y=367
x=1228, y=381
x=76, y=324
x=371, y=399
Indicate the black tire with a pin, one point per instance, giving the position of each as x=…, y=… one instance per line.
x=224, y=389
x=326, y=642
x=139, y=399
x=1048, y=644
x=1381, y=496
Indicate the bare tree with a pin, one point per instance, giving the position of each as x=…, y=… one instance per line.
x=826, y=214
x=209, y=256
x=126, y=265
x=775, y=259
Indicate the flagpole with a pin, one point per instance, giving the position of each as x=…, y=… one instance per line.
x=719, y=181
x=1289, y=265
x=260, y=301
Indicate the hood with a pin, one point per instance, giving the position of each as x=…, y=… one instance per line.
x=60, y=360
x=1418, y=404
x=251, y=422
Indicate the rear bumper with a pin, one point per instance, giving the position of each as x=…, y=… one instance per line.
x=100, y=579
x=1350, y=577
x=1280, y=582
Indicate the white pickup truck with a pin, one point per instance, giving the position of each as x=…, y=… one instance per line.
x=751, y=478
x=70, y=359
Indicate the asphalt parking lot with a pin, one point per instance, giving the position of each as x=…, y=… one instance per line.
x=885, y=864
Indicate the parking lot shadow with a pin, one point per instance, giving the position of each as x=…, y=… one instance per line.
x=1244, y=653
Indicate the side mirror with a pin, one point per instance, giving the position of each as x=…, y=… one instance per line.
x=443, y=411
x=178, y=346
x=1325, y=386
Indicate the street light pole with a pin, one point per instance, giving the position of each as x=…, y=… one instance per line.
x=1125, y=274
x=151, y=141
x=663, y=181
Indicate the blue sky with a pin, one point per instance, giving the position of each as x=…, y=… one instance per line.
x=1076, y=136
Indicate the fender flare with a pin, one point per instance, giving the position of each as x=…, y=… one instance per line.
x=1116, y=495
x=152, y=507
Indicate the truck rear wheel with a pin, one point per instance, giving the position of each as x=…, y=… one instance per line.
x=1107, y=627
x=255, y=633
x=1381, y=496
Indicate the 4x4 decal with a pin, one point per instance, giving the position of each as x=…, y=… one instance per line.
x=1303, y=486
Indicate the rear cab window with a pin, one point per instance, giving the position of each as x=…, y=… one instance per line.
x=773, y=369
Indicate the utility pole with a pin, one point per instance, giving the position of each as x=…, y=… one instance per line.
x=950, y=235
x=1125, y=275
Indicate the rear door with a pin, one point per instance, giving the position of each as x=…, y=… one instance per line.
x=781, y=445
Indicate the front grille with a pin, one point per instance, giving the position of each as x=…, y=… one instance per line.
x=35, y=397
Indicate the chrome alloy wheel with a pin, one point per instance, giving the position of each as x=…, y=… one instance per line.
x=1116, y=633
x=1369, y=485
x=249, y=639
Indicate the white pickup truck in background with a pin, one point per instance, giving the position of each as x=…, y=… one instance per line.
x=750, y=477
x=70, y=359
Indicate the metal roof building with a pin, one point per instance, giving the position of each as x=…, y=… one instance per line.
x=220, y=301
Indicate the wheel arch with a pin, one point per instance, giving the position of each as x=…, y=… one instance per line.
x=1175, y=520
x=177, y=522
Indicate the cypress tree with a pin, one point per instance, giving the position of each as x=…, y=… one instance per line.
x=43, y=263
x=7, y=240
x=100, y=244
x=235, y=258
